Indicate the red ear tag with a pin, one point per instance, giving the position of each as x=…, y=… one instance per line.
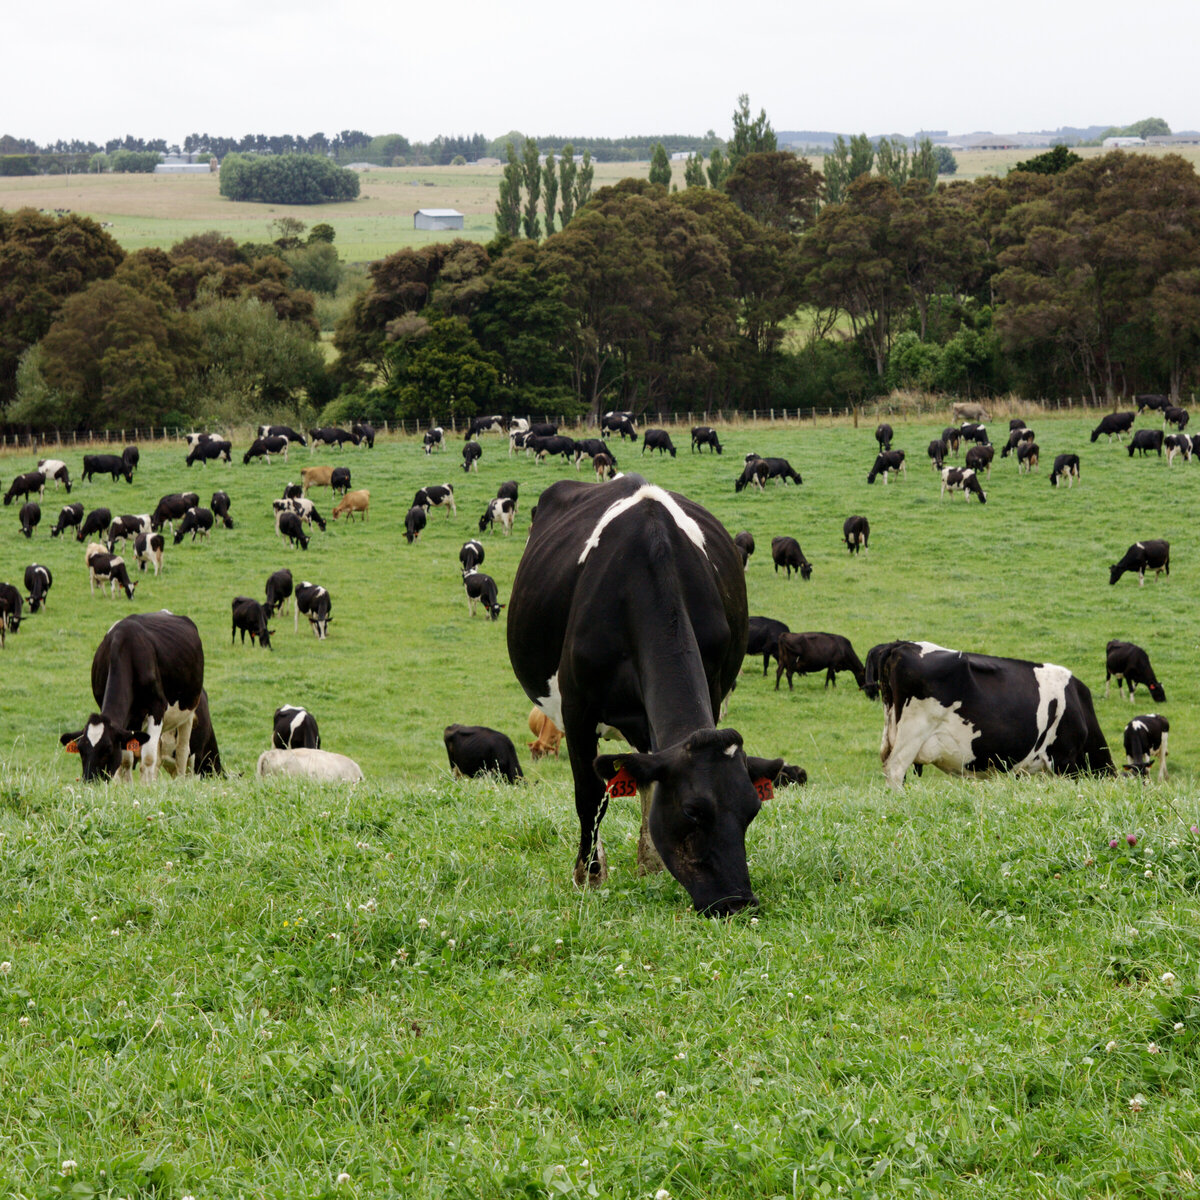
x=72, y=747
x=134, y=747
x=765, y=789
x=622, y=784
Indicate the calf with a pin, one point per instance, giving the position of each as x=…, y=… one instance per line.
x=1154, y=555
x=883, y=435
x=744, y=541
x=196, y=521
x=211, y=449
x=251, y=618
x=780, y=469
x=1177, y=443
x=364, y=433
x=30, y=517
x=26, y=485
x=962, y=479
x=295, y=729
x=104, y=568
x=316, y=604
x=220, y=508
x=96, y=523
x=37, y=585
x=437, y=495
x=786, y=553
x=472, y=453
x=481, y=588
x=1113, y=424
x=434, y=439
x=1131, y=666
x=311, y=477
x=279, y=589
x=1174, y=415
x=264, y=447
x=354, y=502
x=518, y=439
x=937, y=451
x=107, y=464
x=605, y=466
x=266, y=431
x=546, y=735
x=705, y=435
x=1027, y=457
x=148, y=548
x=475, y=750
x=471, y=555
x=886, y=462
x=56, y=469
x=414, y=522
x=339, y=480
x=289, y=526
x=10, y=611
x=1146, y=738
x=803, y=653
x=755, y=472
x=68, y=518
x=321, y=765
x=762, y=637
x=1066, y=466
x=502, y=510
x=979, y=458
x=657, y=439
x=857, y=532
x=1145, y=440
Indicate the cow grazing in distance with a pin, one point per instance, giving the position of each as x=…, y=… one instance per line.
x=963, y=411
x=106, y=464
x=148, y=548
x=30, y=517
x=1174, y=415
x=857, y=532
x=744, y=541
x=10, y=611
x=339, y=480
x=492, y=424
x=962, y=479
x=508, y=490
x=69, y=517
x=131, y=456
x=804, y=653
x=1146, y=738
x=705, y=435
x=286, y=431
x=518, y=439
x=1152, y=400
x=979, y=458
x=38, y=581
x=264, y=447
x=604, y=466
x=589, y=448
x=472, y=453
x=437, y=495
x=311, y=477
x=543, y=429
x=481, y=588
x=1146, y=440
x=952, y=436
x=172, y=508
x=762, y=637
x=884, y=435
x=196, y=521
x=1113, y=424
x=210, y=450
x=1015, y=438
x=1151, y=555
x=1016, y=423
x=619, y=423
x=547, y=737
x=1028, y=454
x=220, y=508
x=148, y=678
x=657, y=439
x=289, y=526
x=295, y=728
x=363, y=433
x=434, y=439
x=786, y=553
x=1177, y=443
x=26, y=485
x=1066, y=466
x=251, y=618
x=353, y=502
x=292, y=491
x=886, y=462
x=779, y=469
x=316, y=604
x=938, y=451
x=323, y=766
x=330, y=435
x=499, y=510
x=476, y=750
x=104, y=568
x=756, y=472
x=279, y=589
x=977, y=713
x=471, y=555
x=543, y=448
x=56, y=469
x=414, y=522
x=1131, y=666
x=95, y=524
x=304, y=508
x=974, y=433
x=126, y=527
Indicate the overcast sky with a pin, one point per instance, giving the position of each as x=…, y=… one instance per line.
x=101, y=70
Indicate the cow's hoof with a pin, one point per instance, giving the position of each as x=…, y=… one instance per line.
x=649, y=860
x=593, y=874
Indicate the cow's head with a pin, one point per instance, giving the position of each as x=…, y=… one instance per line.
x=102, y=746
x=703, y=802
x=1156, y=690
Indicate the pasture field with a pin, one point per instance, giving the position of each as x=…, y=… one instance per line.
x=237, y=988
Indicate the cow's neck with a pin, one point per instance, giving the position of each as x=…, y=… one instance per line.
x=675, y=691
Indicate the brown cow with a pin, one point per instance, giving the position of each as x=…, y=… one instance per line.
x=546, y=734
x=315, y=477
x=353, y=502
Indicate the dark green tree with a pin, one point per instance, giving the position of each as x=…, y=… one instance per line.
x=891, y=157
x=286, y=179
x=1052, y=162
x=660, y=166
x=718, y=168
x=531, y=177
x=550, y=190
x=508, y=203
x=836, y=170
x=924, y=164
x=947, y=164
x=775, y=188
x=583, y=180
x=693, y=171
x=322, y=232
x=751, y=135
x=567, y=168
x=438, y=371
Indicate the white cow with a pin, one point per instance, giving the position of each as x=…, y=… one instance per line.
x=322, y=765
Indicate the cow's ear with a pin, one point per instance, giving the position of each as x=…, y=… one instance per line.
x=641, y=768
x=763, y=772
x=70, y=742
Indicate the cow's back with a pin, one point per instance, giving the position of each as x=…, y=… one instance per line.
x=140, y=648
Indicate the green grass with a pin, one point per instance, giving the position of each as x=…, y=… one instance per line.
x=233, y=994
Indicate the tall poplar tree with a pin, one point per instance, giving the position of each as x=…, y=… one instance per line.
x=550, y=190
x=583, y=180
x=567, y=169
x=508, y=203
x=660, y=166
x=533, y=190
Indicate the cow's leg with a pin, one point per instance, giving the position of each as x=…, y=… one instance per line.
x=1107, y=681
x=183, y=739
x=591, y=800
x=649, y=860
x=1162, y=758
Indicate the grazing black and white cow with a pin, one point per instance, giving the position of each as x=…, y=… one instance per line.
x=1146, y=440
x=95, y=524
x=786, y=553
x=543, y=448
x=1177, y=443
x=330, y=435
x=172, y=508
x=104, y=568
x=886, y=462
x=1066, y=466
x=126, y=527
x=270, y=431
x=962, y=479
x=339, y=480
x=705, y=435
x=251, y=618
x=762, y=637
x=295, y=728
x=290, y=527
x=279, y=590
x=629, y=610
x=434, y=439
x=518, y=439
x=979, y=458
x=952, y=436
x=303, y=507
x=1152, y=555
x=10, y=611
x=414, y=522
x=884, y=435
x=619, y=423
x=1146, y=738
x=471, y=555
x=804, y=653
x=107, y=464
x=220, y=508
x=56, y=469
x=502, y=511
x=938, y=451
x=316, y=604
x=195, y=439
x=26, y=485
x=69, y=517
x=658, y=439
x=148, y=678
x=972, y=432
x=437, y=495
x=37, y=585
x=778, y=469
x=364, y=433
x=977, y=713
x=472, y=453
x=481, y=588
x=476, y=750
x=196, y=521
x=210, y=450
x=1028, y=454
x=1113, y=424
x=755, y=472
x=490, y=424
x=148, y=548
x=744, y=541
x=589, y=448
x=605, y=467
x=30, y=517
x=1015, y=437
x=131, y=456
x=1131, y=666
x=1174, y=415
x=857, y=533
x=1152, y=400
x=264, y=447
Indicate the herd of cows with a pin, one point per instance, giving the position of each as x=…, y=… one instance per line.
x=628, y=617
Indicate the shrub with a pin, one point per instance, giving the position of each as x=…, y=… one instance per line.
x=286, y=179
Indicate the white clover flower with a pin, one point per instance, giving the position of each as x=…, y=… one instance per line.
x=660, y=1096
x=1178, y=1026
x=451, y=943
x=422, y=924
x=681, y=1055
x=369, y=906
x=1111, y=1047
x=68, y=1165
x=558, y=941
x=343, y=1179
x=1152, y=1048
x=619, y=968
x=1089, y=1062
x=1168, y=977
x=22, y=1020
x=662, y=1194
x=1148, y=874
x=1137, y=1103
x=5, y=967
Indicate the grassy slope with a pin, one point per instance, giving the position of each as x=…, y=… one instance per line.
x=917, y=1000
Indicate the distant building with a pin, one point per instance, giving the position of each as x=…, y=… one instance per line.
x=1116, y=143
x=437, y=218
x=1173, y=139
x=185, y=164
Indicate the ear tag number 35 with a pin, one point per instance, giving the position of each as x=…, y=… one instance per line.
x=765, y=789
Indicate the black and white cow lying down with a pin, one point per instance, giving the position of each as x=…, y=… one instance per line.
x=1131, y=666
x=978, y=713
x=1146, y=738
x=476, y=750
x=148, y=678
x=629, y=611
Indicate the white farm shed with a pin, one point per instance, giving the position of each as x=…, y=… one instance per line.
x=437, y=218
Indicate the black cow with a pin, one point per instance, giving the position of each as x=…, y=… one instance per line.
x=952, y=436
x=148, y=548
x=705, y=435
x=937, y=451
x=744, y=541
x=269, y=431
x=619, y=423
x=657, y=439
x=1016, y=423
x=131, y=456
x=884, y=435
x=316, y=604
x=508, y=490
x=629, y=610
x=543, y=429
x=220, y=508
x=1145, y=738
x=294, y=491
x=755, y=472
x=289, y=526
x=95, y=524
x=492, y=424
x=1028, y=454
x=778, y=468
x=476, y=750
x=804, y=653
x=331, y=435
x=196, y=521
x=437, y=495
x=434, y=439
x=1113, y=424
x=1131, y=666
x=364, y=433
x=471, y=555
x=10, y=611
x=1152, y=400
x=786, y=552
x=279, y=589
x=481, y=588
x=962, y=479
x=295, y=728
x=1177, y=443
x=414, y=522
x=1174, y=415
x=545, y=447
x=251, y=618
x=972, y=432
x=472, y=453
x=979, y=458
x=1015, y=438
x=886, y=462
x=977, y=713
x=172, y=508
x=762, y=637
x=1146, y=440
x=857, y=533
x=264, y=447
x=1153, y=555
x=589, y=448
x=30, y=517
x=56, y=469
x=503, y=510
x=37, y=585
x=69, y=517
x=210, y=449
x=104, y=568
x=107, y=464
x=148, y=671
x=1066, y=466
x=26, y=485
x=339, y=481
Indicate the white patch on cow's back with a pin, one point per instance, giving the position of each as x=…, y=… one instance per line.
x=297, y=721
x=932, y=647
x=1138, y=725
x=647, y=491
x=1052, y=682
x=551, y=703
